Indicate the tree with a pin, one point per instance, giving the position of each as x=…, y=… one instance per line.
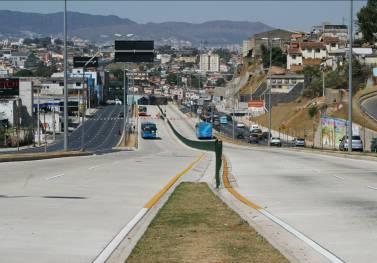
x=24, y=73
x=45, y=71
x=367, y=20
x=172, y=78
x=312, y=110
x=278, y=58
x=220, y=82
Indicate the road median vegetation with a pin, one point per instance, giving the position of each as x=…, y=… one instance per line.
x=196, y=226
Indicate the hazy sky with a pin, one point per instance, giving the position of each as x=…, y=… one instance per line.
x=299, y=15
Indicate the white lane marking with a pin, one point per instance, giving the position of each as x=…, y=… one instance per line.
x=53, y=177
x=106, y=252
x=93, y=167
x=339, y=177
x=371, y=187
x=311, y=243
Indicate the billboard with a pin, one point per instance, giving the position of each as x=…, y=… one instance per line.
x=9, y=87
x=79, y=62
x=134, y=51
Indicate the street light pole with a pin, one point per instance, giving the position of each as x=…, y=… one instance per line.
x=83, y=111
x=269, y=96
x=65, y=80
x=350, y=79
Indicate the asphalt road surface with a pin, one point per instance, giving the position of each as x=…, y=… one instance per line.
x=370, y=106
x=69, y=209
x=331, y=200
x=102, y=132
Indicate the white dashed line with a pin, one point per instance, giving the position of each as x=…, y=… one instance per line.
x=339, y=177
x=53, y=177
x=93, y=167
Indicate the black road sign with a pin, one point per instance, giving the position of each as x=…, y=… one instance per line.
x=9, y=87
x=134, y=51
x=79, y=62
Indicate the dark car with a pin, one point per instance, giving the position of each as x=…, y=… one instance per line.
x=264, y=136
x=254, y=138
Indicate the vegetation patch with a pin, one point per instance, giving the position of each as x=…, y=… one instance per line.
x=196, y=226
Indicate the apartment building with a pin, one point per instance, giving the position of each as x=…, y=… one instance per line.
x=209, y=62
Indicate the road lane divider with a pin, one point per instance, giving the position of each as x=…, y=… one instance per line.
x=317, y=247
x=53, y=177
x=114, y=243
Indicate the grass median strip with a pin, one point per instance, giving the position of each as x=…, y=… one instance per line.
x=196, y=226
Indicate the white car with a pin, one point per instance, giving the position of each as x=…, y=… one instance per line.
x=240, y=125
x=118, y=102
x=253, y=127
x=275, y=141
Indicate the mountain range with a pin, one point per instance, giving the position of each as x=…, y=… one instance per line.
x=101, y=28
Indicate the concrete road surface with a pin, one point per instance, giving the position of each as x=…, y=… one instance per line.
x=331, y=200
x=69, y=209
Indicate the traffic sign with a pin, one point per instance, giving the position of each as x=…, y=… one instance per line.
x=134, y=51
x=79, y=62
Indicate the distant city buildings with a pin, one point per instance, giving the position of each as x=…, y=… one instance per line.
x=209, y=62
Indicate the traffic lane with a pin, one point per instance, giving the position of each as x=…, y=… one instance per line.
x=71, y=217
x=183, y=124
x=328, y=199
x=370, y=106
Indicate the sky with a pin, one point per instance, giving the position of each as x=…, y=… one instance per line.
x=293, y=15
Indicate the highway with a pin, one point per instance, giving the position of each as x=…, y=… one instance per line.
x=69, y=209
x=102, y=132
x=331, y=200
x=370, y=106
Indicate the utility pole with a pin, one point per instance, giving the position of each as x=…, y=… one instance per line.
x=269, y=96
x=350, y=79
x=125, y=110
x=83, y=110
x=65, y=80
x=38, y=117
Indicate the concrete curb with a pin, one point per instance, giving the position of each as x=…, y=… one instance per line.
x=40, y=156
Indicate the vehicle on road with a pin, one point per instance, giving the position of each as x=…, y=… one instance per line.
x=299, y=142
x=223, y=119
x=142, y=111
x=253, y=127
x=148, y=130
x=257, y=132
x=357, y=144
x=204, y=130
x=275, y=141
x=240, y=125
x=254, y=138
x=118, y=102
x=264, y=136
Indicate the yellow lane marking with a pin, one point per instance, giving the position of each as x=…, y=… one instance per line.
x=158, y=196
x=231, y=190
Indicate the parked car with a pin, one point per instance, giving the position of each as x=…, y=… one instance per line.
x=357, y=144
x=299, y=142
x=118, y=102
x=373, y=145
x=275, y=141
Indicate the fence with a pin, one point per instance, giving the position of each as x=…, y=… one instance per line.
x=213, y=146
x=12, y=137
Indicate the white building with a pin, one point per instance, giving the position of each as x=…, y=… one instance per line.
x=209, y=62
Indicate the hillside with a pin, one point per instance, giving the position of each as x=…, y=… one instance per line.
x=101, y=28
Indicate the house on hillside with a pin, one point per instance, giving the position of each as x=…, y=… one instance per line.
x=253, y=45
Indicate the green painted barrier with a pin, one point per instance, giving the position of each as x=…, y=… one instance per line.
x=214, y=146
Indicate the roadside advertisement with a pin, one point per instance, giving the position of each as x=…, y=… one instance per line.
x=328, y=131
x=9, y=87
x=333, y=130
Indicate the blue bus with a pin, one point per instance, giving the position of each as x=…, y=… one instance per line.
x=148, y=130
x=223, y=119
x=204, y=130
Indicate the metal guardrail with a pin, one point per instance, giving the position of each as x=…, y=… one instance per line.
x=213, y=146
